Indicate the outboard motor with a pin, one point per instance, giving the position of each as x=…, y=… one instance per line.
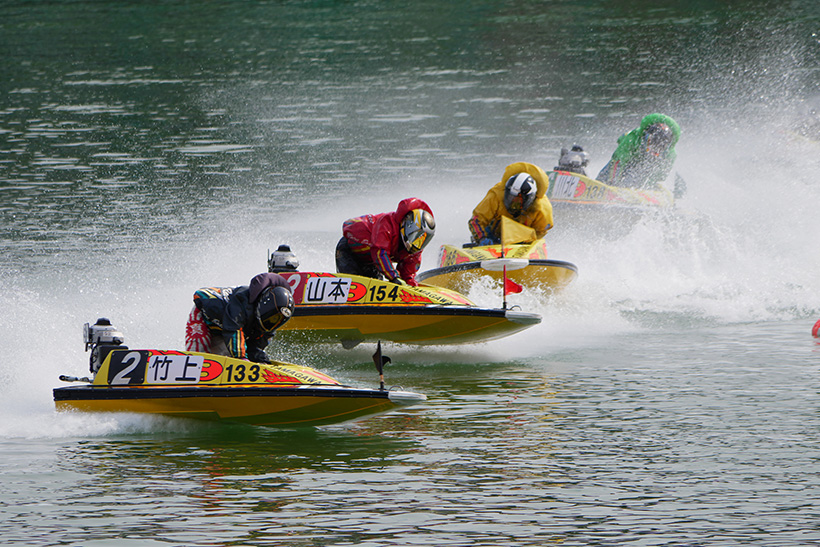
x=283, y=260
x=101, y=338
x=573, y=160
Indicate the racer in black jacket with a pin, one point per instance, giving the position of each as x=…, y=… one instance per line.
x=239, y=321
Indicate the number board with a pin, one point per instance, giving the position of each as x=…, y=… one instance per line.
x=139, y=367
x=326, y=290
x=565, y=186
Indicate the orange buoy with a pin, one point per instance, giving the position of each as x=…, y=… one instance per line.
x=815, y=329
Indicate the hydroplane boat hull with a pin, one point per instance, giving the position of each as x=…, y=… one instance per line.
x=526, y=264
x=572, y=189
x=211, y=387
x=353, y=309
x=545, y=274
x=265, y=406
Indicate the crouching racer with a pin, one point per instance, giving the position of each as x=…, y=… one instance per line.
x=521, y=196
x=644, y=156
x=239, y=321
x=370, y=244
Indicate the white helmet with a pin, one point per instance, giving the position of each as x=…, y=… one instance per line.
x=519, y=193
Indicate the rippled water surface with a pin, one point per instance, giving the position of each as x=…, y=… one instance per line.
x=670, y=395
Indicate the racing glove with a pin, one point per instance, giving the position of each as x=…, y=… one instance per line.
x=257, y=355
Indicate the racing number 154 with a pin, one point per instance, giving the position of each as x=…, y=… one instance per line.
x=379, y=294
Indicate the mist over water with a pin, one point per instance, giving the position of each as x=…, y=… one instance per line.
x=148, y=150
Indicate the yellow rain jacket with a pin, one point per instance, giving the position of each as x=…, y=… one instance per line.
x=486, y=219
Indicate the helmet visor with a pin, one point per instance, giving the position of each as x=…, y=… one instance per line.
x=417, y=230
x=657, y=139
x=274, y=308
x=515, y=205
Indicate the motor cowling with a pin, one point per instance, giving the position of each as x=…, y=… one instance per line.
x=101, y=338
x=283, y=260
x=573, y=160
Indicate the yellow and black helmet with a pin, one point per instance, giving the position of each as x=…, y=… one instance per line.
x=417, y=229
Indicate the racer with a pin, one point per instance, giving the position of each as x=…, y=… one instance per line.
x=520, y=196
x=644, y=156
x=239, y=321
x=370, y=244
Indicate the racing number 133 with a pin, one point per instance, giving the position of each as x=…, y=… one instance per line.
x=240, y=373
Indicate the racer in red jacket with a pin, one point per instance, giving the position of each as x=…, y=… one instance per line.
x=370, y=244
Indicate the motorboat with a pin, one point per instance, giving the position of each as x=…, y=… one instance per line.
x=204, y=386
x=525, y=264
x=351, y=309
x=573, y=189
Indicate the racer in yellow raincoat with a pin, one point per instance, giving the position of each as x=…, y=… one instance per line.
x=513, y=198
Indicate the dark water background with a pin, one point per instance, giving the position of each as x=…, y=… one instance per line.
x=670, y=396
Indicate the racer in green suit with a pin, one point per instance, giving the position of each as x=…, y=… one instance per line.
x=644, y=156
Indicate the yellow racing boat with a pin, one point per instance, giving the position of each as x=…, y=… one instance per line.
x=524, y=263
x=351, y=309
x=571, y=189
x=588, y=207
x=213, y=387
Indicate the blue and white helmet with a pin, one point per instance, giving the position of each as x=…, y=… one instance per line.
x=519, y=193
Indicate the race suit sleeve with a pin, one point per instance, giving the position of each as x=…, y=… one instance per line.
x=542, y=220
x=477, y=231
x=408, y=267
x=486, y=215
x=256, y=349
x=384, y=264
x=235, y=342
x=607, y=174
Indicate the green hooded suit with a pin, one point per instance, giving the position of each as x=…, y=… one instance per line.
x=632, y=166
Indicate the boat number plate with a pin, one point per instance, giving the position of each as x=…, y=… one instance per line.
x=332, y=290
x=138, y=367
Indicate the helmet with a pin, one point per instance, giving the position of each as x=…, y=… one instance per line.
x=283, y=260
x=657, y=138
x=417, y=230
x=274, y=308
x=519, y=193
